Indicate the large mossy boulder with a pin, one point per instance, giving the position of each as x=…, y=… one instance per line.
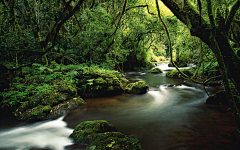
x=44, y=112
x=156, y=70
x=116, y=143
x=139, y=87
x=100, y=135
x=175, y=74
x=93, y=83
x=88, y=131
x=39, y=97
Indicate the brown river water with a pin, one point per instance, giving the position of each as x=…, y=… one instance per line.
x=165, y=118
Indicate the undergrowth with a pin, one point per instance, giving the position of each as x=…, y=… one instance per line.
x=40, y=82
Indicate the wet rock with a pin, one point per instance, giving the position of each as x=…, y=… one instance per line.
x=99, y=134
x=139, y=87
x=47, y=112
x=88, y=131
x=218, y=98
x=118, y=143
x=170, y=85
x=156, y=70
x=175, y=74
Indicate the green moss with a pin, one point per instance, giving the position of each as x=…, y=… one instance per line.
x=36, y=112
x=69, y=89
x=124, y=80
x=175, y=74
x=116, y=81
x=156, y=70
x=118, y=143
x=100, y=81
x=96, y=84
x=47, y=108
x=52, y=99
x=129, y=87
x=139, y=87
x=39, y=107
x=83, y=133
x=110, y=88
x=100, y=135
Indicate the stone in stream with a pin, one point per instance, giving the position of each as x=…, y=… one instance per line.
x=99, y=134
x=170, y=85
x=175, y=74
x=218, y=98
x=93, y=83
x=51, y=112
x=156, y=71
x=139, y=87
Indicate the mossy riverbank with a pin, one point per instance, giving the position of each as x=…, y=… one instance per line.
x=41, y=92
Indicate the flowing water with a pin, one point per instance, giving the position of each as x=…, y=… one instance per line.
x=165, y=117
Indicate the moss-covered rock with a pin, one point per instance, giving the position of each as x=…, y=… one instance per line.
x=66, y=106
x=100, y=81
x=139, y=87
x=71, y=90
x=34, y=114
x=156, y=70
x=122, y=143
x=92, y=83
x=100, y=135
x=88, y=131
x=175, y=74
x=47, y=112
x=47, y=108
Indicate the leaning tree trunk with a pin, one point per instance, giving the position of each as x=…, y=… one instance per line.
x=231, y=60
x=215, y=33
x=205, y=31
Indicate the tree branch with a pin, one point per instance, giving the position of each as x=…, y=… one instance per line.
x=124, y=8
x=210, y=13
x=132, y=8
x=92, y=4
x=232, y=14
x=190, y=16
x=141, y=6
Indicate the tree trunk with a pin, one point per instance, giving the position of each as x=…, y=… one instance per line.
x=204, y=31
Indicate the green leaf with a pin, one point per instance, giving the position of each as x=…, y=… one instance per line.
x=111, y=144
x=93, y=147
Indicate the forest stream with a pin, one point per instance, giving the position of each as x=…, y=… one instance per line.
x=165, y=118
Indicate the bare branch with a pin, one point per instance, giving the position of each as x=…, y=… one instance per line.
x=141, y=6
